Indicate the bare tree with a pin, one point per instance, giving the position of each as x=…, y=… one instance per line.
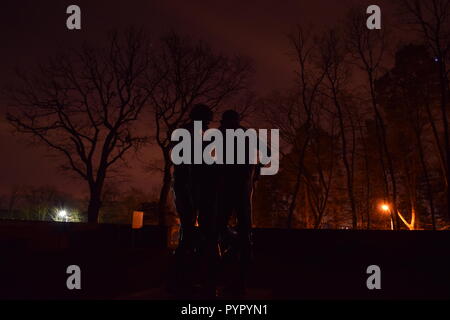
x=318, y=157
x=433, y=20
x=187, y=73
x=40, y=203
x=296, y=118
x=319, y=170
x=406, y=93
x=366, y=179
x=84, y=105
x=13, y=199
x=336, y=75
x=367, y=48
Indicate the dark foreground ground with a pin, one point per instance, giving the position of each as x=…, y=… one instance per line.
x=301, y=264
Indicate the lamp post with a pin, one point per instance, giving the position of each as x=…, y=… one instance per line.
x=386, y=208
x=62, y=214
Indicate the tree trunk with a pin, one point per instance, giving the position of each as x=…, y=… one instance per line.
x=348, y=168
x=444, y=101
x=349, y=176
x=368, y=187
x=427, y=180
x=164, y=193
x=294, y=195
x=437, y=142
x=95, y=204
x=382, y=136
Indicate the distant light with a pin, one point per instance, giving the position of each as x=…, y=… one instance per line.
x=436, y=59
x=62, y=213
x=385, y=207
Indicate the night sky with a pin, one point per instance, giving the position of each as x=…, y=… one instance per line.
x=33, y=30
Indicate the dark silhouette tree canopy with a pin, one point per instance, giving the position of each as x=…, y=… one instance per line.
x=84, y=104
x=186, y=73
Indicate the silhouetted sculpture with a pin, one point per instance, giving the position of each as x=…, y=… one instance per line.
x=235, y=195
x=195, y=190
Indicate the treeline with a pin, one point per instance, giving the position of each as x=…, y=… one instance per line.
x=47, y=203
x=97, y=105
x=363, y=145
x=39, y=204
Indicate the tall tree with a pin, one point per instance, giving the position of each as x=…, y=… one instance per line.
x=433, y=20
x=187, y=73
x=297, y=112
x=368, y=48
x=320, y=163
x=336, y=75
x=406, y=92
x=84, y=105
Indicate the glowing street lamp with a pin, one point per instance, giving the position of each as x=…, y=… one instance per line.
x=386, y=208
x=62, y=214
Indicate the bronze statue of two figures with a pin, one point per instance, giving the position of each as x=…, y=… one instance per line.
x=211, y=253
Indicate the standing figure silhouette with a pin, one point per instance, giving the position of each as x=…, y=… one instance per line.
x=195, y=192
x=235, y=196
